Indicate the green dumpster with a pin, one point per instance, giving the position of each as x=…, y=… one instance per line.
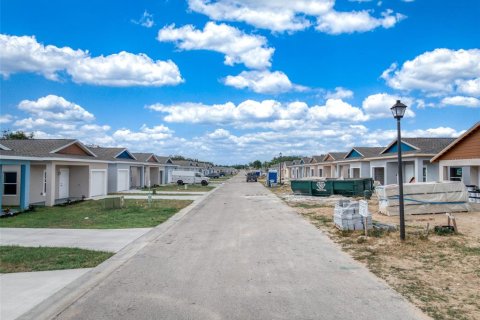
x=303, y=187
x=325, y=188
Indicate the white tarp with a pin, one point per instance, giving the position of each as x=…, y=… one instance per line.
x=424, y=198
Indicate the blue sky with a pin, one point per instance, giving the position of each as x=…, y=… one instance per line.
x=231, y=81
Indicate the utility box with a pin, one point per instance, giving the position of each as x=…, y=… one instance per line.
x=272, y=178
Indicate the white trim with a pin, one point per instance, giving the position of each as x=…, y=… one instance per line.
x=2, y=147
x=72, y=143
x=461, y=163
x=127, y=152
x=105, y=192
x=454, y=142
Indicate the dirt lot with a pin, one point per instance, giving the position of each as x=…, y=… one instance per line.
x=440, y=274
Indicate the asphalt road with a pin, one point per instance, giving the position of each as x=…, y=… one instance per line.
x=241, y=254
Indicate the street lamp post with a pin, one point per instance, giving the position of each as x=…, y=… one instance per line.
x=280, y=157
x=398, y=111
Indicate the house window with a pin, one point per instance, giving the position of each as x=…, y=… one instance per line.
x=10, y=183
x=455, y=174
x=424, y=174
x=320, y=172
x=44, y=182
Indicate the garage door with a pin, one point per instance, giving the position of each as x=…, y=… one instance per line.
x=123, y=180
x=98, y=183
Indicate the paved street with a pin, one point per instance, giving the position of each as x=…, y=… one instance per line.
x=241, y=254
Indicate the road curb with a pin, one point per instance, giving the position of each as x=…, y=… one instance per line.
x=62, y=299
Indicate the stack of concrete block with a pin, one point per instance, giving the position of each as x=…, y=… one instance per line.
x=347, y=216
x=424, y=198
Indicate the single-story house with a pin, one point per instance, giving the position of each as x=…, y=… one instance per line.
x=153, y=169
x=316, y=166
x=49, y=171
x=355, y=163
x=168, y=167
x=460, y=160
x=330, y=167
x=124, y=170
x=416, y=156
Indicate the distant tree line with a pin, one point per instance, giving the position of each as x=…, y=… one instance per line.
x=16, y=135
x=257, y=164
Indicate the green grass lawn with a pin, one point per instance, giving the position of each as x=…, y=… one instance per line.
x=92, y=215
x=26, y=259
x=190, y=188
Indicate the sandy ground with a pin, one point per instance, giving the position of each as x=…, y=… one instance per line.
x=439, y=274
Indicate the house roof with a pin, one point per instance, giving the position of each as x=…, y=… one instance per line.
x=44, y=148
x=164, y=159
x=185, y=163
x=366, y=152
x=475, y=127
x=319, y=158
x=336, y=155
x=110, y=154
x=143, y=157
x=422, y=145
x=306, y=159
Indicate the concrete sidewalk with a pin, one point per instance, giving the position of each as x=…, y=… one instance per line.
x=19, y=292
x=95, y=239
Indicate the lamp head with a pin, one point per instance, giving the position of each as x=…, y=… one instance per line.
x=398, y=110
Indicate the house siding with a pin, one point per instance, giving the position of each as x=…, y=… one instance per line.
x=468, y=148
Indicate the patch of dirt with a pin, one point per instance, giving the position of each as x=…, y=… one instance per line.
x=439, y=274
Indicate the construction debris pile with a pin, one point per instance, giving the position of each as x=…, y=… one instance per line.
x=424, y=198
x=347, y=215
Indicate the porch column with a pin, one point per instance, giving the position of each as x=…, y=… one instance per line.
x=142, y=177
x=466, y=175
x=1, y=186
x=24, y=186
x=418, y=170
x=51, y=179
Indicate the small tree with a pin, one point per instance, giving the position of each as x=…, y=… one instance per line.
x=257, y=164
x=16, y=135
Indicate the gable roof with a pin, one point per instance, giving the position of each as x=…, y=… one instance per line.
x=111, y=154
x=317, y=159
x=144, y=157
x=467, y=133
x=164, y=159
x=306, y=159
x=44, y=148
x=422, y=145
x=365, y=152
x=335, y=155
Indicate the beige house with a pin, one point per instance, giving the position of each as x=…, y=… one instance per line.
x=49, y=171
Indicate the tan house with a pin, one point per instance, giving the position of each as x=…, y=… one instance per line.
x=49, y=171
x=460, y=160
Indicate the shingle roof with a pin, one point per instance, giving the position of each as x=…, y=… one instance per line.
x=184, y=163
x=163, y=159
x=369, y=152
x=109, y=153
x=40, y=148
x=473, y=129
x=306, y=159
x=337, y=155
x=142, y=157
x=425, y=145
x=318, y=158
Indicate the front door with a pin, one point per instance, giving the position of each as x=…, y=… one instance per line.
x=63, y=182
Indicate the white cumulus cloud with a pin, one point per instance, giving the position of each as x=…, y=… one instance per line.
x=25, y=54
x=441, y=71
x=378, y=105
x=263, y=82
x=56, y=108
x=262, y=114
x=238, y=47
x=461, y=101
x=339, y=93
x=291, y=16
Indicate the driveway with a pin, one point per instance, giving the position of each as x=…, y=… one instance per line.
x=21, y=291
x=95, y=239
x=240, y=254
